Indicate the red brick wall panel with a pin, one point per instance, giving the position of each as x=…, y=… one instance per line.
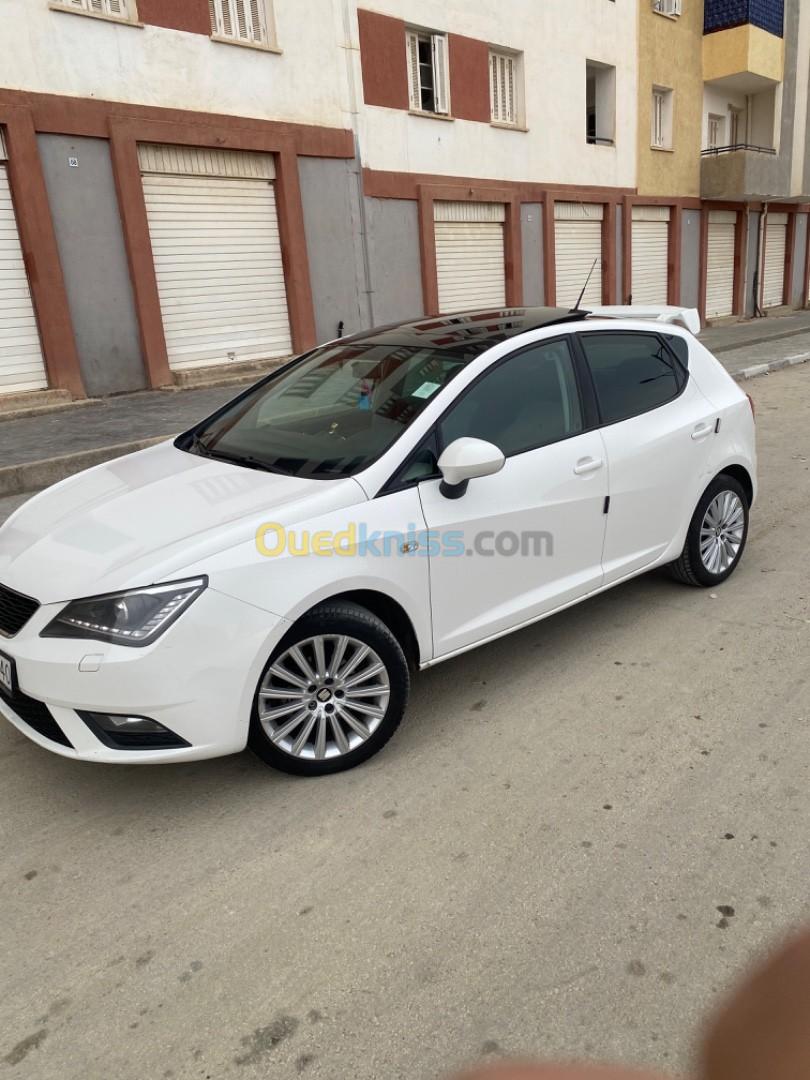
x=382, y=54
x=189, y=15
x=469, y=79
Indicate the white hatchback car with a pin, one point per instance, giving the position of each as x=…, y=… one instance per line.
x=378, y=505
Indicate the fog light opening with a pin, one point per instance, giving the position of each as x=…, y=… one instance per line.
x=124, y=732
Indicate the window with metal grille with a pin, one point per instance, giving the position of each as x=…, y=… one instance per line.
x=428, y=89
x=661, y=135
x=503, y=87
x=715, y=128
x=114, y=9
x=667, y=7
x=240, y=20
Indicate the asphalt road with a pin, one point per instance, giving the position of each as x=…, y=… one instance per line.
x=534, y=865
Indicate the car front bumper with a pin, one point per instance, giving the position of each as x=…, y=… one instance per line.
x=198, y=680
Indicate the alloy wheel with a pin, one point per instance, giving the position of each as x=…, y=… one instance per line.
x=323, y=697
x=721, y=533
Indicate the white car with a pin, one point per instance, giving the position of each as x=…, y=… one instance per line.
x=380, y=504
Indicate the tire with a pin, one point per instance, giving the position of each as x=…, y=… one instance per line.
x=692, y=568
x=309, y=682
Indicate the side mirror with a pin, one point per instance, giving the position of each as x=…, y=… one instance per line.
x=464, y=460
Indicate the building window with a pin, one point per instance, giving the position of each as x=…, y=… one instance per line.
x=667, y=7
x=245, y=21
x=427, y=72
x=112, y=9
x=600, y=103
x=715, y=131
x=661, y=136
x=735, y=126
x=504, y=88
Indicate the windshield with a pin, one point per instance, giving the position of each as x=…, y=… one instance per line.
x=331, y=414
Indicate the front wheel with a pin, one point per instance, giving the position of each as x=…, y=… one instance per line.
x=717, y=535
x=332, y=694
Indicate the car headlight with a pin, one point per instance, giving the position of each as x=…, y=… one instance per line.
x=136, y=617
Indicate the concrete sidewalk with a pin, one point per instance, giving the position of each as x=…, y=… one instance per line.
x=37, y=451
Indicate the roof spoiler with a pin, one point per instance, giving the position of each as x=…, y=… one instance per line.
x=688, y=318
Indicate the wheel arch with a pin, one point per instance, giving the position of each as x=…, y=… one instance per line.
x=387, y=610
x=742, y=476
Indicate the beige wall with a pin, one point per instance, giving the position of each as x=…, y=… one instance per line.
x=671, y=55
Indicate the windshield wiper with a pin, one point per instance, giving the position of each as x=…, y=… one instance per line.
x=197, y=445
x=243, y=459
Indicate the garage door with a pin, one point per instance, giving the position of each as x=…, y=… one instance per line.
x=21, y=363
x=773, y=275
x=470, y=257
x=214, y=231
x=720, y=263
x=650, y=243
x=577, y=246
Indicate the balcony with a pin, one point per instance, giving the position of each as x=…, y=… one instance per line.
x=768, y=15
x=741, y=172
x=743, y=47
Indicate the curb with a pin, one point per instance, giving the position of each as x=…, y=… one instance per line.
x=773, y=365
x=33, y=475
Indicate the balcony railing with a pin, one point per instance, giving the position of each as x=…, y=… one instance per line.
x=713, y=151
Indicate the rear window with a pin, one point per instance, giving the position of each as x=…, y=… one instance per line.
x=632, y=373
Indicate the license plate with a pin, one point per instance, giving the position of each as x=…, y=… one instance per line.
x=6, y=674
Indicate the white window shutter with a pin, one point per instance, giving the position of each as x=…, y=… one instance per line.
x=213, y=11
x=503, y=88
x=257, y=27
x=228, y=22
x=494, y=89
x=241, y=21
x=414, y=95
x=511, y=91
x=117, y=7
x=440, y=71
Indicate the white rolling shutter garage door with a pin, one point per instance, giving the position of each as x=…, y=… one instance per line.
x=650, y=242
x=215, y=239
x=773, y=276
x=21, y=363
x=577, y=245
x=470, y=255
x=720, y=263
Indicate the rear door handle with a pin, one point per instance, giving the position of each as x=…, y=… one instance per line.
x=588, y=464
x=702, y=430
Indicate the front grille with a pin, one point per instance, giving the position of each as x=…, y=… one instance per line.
x=15, y=611
x=37, y=715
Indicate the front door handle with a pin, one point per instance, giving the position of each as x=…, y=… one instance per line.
x=702, y=430
x=588, y=464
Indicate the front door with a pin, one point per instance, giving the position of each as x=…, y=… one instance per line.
x=529, y=539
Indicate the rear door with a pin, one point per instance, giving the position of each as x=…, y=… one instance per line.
x=657, y=428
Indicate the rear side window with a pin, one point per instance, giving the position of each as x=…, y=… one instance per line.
x=632, y=373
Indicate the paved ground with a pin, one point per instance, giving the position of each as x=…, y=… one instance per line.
x=129, y=417
x=534, y=866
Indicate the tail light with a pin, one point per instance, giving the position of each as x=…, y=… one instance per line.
x=753, y=407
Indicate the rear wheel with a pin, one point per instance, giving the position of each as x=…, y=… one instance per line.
x=717, y=535
x=333, y=693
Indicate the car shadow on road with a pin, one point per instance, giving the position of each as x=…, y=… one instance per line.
x=440, y=693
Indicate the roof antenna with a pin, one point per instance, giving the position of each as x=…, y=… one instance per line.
x=584, y=287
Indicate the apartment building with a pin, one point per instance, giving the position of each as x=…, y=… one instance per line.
x=755, y=155
x=188, y=185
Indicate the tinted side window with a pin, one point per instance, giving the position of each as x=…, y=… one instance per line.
x=632, y=372
x=529, y=400
x=680, y=348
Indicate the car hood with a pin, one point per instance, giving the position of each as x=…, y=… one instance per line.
x=140, y=518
